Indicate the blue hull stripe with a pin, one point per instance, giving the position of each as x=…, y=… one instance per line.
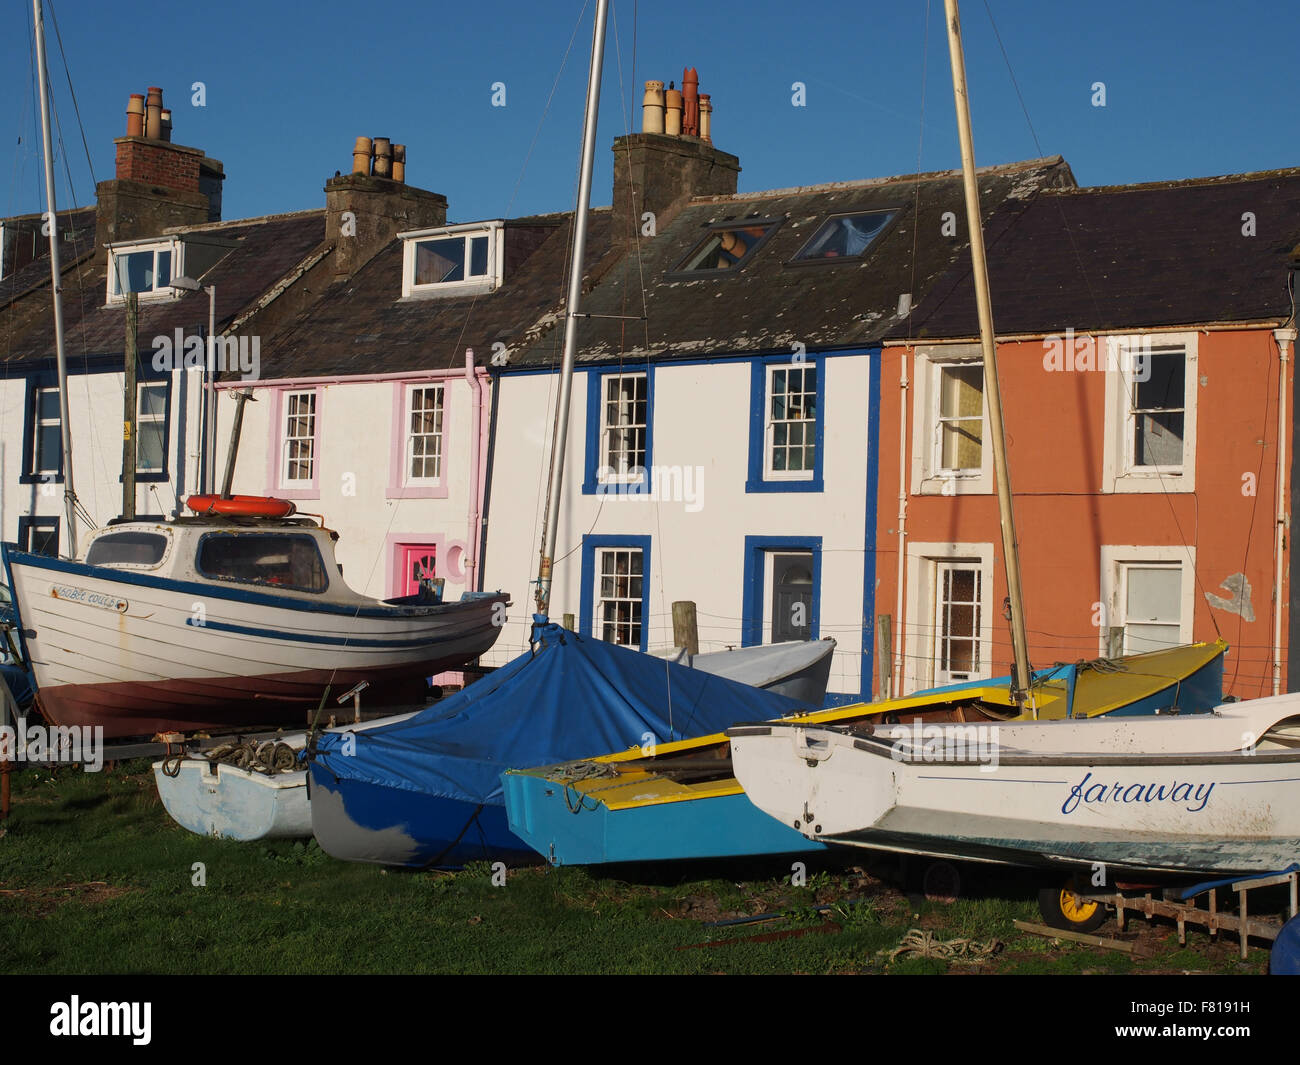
x=238, y=595
x=302, y=637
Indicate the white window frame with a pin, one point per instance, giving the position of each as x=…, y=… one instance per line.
x=408, y=436
x=769, y=426
x=158, y=292
x=924, y=562
x=928, y=477
x=598, y=614
x=1118, y=472
x=152, y=420
x=476, y=285
x=37, y=423
x=606, y=471
x=1113, y=560
x=286, y=401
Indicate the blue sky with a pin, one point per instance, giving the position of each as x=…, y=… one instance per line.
x=1192, y=89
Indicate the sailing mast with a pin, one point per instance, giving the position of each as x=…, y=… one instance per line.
x=1019, y=640
x=65, y=425
x=577, y=256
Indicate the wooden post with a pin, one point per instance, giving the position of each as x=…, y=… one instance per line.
x=241, y=397
x=884, y=660
x=568, y=622
x=128, y=408
x=685, y=631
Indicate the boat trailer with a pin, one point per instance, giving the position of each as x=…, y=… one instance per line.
x=1183, y=907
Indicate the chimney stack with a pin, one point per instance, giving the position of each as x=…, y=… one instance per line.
x=380, y=204
x=157, y=184
x=671, y=160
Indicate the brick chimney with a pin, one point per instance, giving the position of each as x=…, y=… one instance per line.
x=363, y=212
x=660, y=171
x=157, y=183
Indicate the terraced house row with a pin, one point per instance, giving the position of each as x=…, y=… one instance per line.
x=778, y=413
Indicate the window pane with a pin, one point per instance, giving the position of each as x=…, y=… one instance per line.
x=1157, y=411
x=164, y=277
x=726, y=248
x=152, y=401
x=127, y=549
x=845, y=237
x=478, y=256
x=961, y=417
x=1140, y=638
x=625, y=417
x=150, y=448
x=48, y=449
x=618, y=604
x=47, y=404
x=424, y=434
x=439, y=261
x=292, y=562
x=1154, y=593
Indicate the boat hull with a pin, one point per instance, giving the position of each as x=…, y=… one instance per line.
x=138, y=654
x=1223, y=811
x=227, y=802
x=725, y=827
x=358, y=821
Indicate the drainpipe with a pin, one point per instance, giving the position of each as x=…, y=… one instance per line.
x=1284, y=338
x=475, y=434
x=903, y=405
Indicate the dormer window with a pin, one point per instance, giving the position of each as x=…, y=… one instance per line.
x=453, y=260
x=727, y=247
x=145, y=269
x=844, y=236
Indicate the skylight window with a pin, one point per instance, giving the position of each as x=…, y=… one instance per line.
x=844, y=236
x=456, y=260
x=727, y=247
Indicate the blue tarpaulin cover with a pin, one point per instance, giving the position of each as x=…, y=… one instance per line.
x=571, y=697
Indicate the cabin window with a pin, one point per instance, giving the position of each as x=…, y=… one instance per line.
x=151, y=428
x=39, y=536
x=623, y=428
x=727, y=247
x=424, y=416
x=452, y=260
x=146, y=271
x=298, y=454
x=791, y=421
x=959, y=440
x=1151, y=396
x=281, y=561
x=846, y=236
x=47, y=439
x=127, y=549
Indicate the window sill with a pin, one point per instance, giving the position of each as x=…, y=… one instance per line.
x=1150, y=483
x=813, y=484
x=956, y=485
x=416, y=491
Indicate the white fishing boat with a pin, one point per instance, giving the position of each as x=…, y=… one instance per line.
x=1216, y=793
x=219, y=621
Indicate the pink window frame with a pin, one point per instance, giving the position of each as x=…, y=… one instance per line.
x=275, y=453
x=397, y=488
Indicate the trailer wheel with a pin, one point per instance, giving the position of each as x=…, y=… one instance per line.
x=1062, y=908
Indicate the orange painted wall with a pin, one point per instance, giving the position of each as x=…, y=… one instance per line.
x=1055, y=423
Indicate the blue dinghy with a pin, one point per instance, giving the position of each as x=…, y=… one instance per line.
x=426, y=791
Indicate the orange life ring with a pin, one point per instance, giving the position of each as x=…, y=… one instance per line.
x=242, y=506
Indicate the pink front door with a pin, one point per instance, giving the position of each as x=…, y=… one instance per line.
x=415, y=561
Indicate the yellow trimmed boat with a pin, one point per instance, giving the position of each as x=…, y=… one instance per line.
x=650, y=804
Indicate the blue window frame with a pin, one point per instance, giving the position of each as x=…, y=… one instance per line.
x=42, y=433
x=762, y=556
x=787, y=424
x=616, y=589
x=40, y=536
x=620, y=431
x=153, y=421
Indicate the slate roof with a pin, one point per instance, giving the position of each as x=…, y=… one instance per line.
x=770, y=304
x=79, y=223
x=265, y=250
x=1135, y=256
x=362, y=325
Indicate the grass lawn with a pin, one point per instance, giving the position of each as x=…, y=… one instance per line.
x=96, y=878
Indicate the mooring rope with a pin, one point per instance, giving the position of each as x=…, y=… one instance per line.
x=925, y=944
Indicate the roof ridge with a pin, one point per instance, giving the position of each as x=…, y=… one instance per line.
x=1044, y=163
x=1196, y=182
x=259, y=220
